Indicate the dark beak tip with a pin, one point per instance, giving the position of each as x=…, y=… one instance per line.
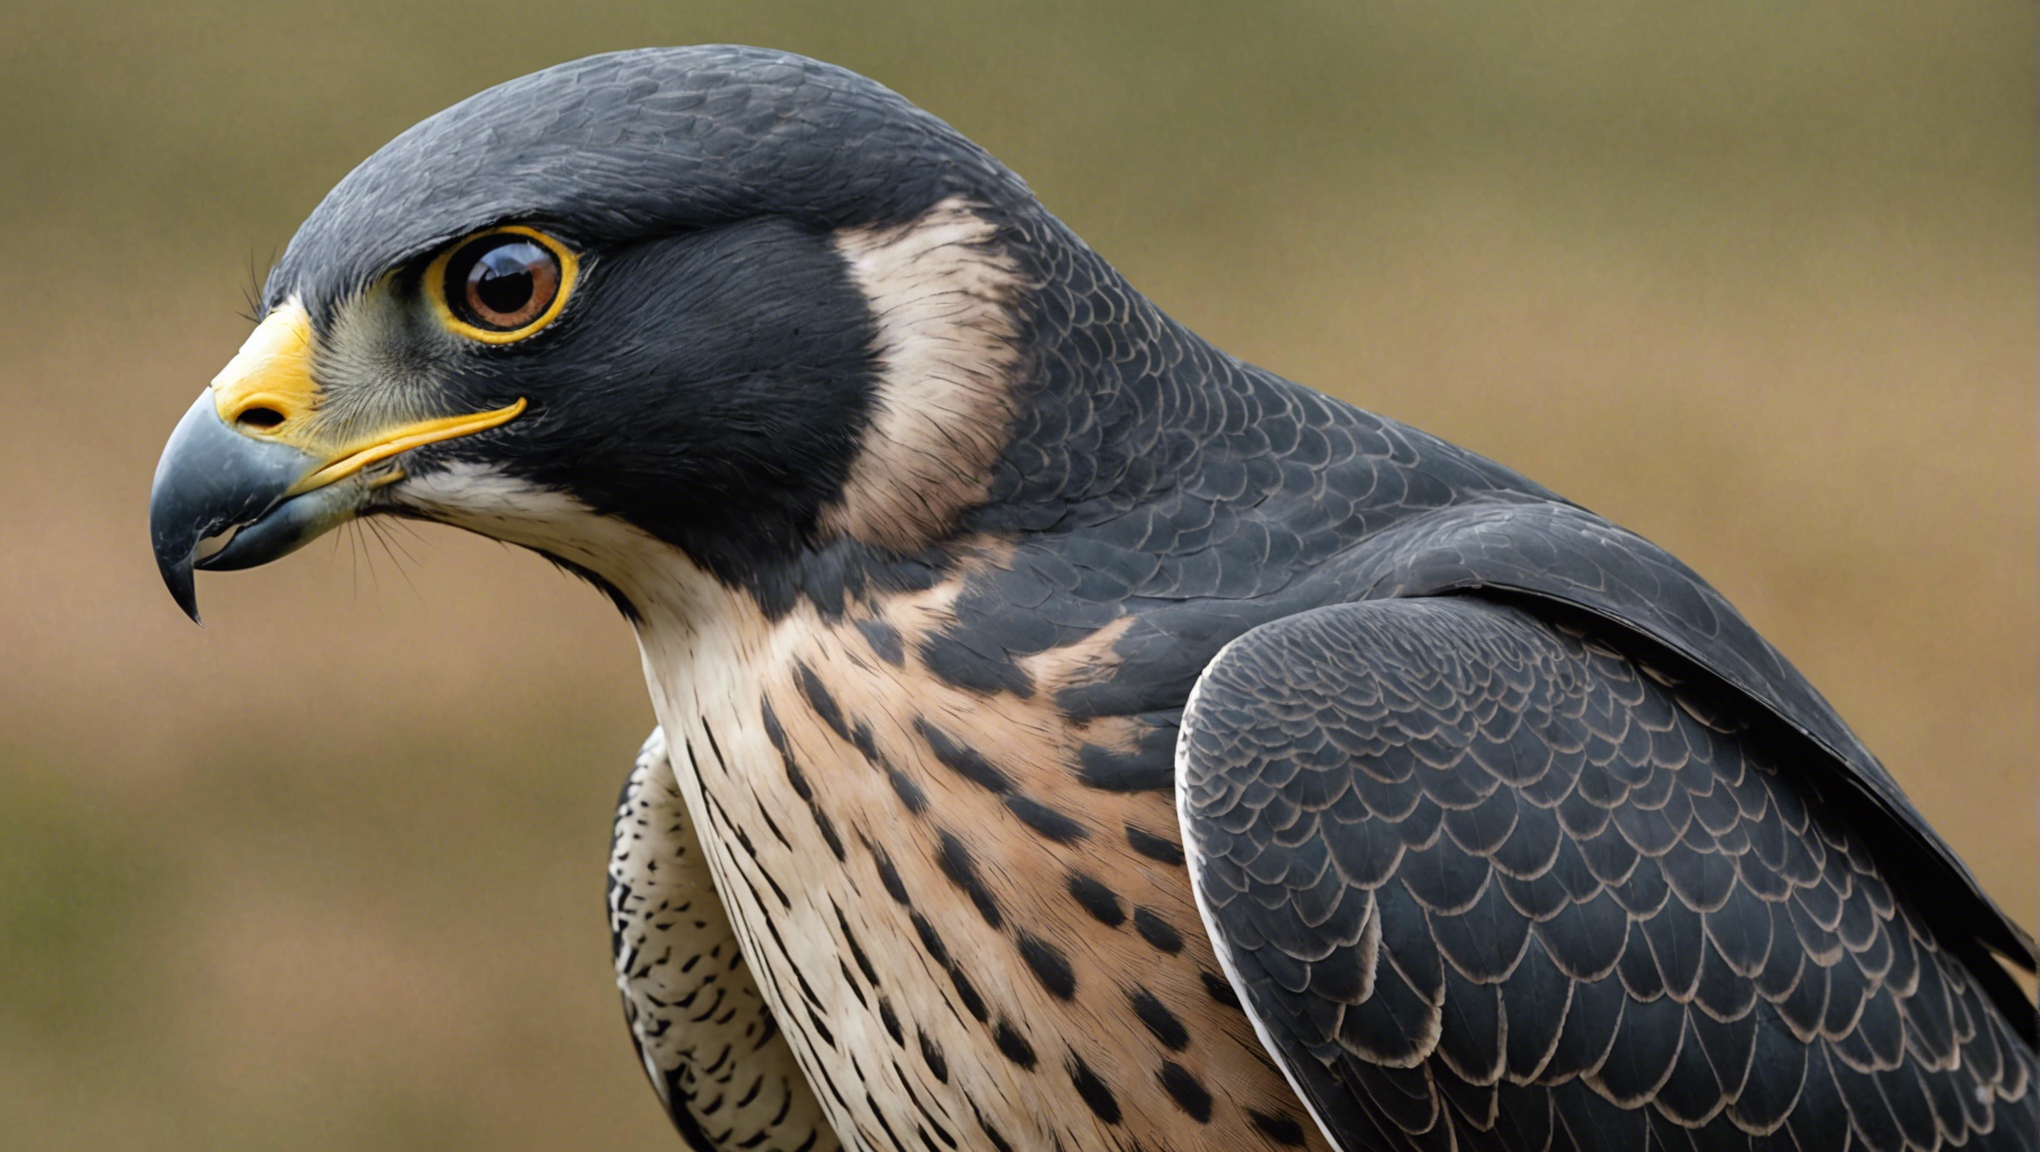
x=182, y=583
x=186, y=595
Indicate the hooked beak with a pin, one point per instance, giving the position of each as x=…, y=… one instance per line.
x=248, y=475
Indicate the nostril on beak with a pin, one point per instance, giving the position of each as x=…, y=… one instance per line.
x=259, y=419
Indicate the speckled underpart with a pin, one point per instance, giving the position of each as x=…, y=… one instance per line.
x=708, y=1041
x=916, y=868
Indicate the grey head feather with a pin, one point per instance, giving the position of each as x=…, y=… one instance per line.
x=640, y=143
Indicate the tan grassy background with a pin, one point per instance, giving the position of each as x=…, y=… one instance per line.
x=1755, y=280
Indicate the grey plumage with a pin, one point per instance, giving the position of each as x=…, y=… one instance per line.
x=1513, y=834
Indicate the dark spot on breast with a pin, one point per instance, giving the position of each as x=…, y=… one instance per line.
x=937, y=951
x=909, y=792
x=819, y=699
x=798, y=779
x=827, y=828
x=1187, y=1090
x=1221, y=990
x=850, y=982
x=1101, y=902
x=892, y=1138
x=807, y=990
x=1156, y=931
x=1013, y=1046
x=999, y=1143
x=1281, y=1128
x=777, y=892
x=772, y=825
x=931, y=940
x=1050, y=966
x=856, y=949
x=867, y=747
x=1094, y=1091
x=1159, y=1019
x=714, y=748
x=962, y=760
x=957, y=864
x=888, y=876
x=927, y=1114
x=1154, y=847
x=931, y=1055
x=1045, y=820
x=1139, y=771
x=891, y=1020
x=958, y=664
x=820, y=1029
x=884, y=640
x=774, y=731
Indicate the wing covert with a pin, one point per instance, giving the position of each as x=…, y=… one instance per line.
x=1491, y=884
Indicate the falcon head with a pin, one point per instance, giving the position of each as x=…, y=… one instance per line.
x=735, y=302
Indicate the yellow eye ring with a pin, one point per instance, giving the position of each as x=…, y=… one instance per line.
x=502, y=285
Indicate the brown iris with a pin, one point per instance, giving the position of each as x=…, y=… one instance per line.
x=502, y=282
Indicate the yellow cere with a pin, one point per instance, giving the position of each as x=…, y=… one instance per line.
x=272, y=372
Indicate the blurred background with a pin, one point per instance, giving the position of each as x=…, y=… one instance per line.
x=1755, y=279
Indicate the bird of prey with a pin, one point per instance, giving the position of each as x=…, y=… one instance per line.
x=1072, y=737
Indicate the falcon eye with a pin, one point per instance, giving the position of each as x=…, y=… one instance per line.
x=502, y=285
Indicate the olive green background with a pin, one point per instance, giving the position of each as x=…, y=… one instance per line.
x=1755, y=278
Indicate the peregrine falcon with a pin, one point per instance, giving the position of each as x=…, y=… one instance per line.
x=1072, y=737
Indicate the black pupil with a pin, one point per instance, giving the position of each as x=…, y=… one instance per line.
x=502, y=278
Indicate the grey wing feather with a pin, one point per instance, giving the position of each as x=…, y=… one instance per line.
x=705, y=1036
x=1564, y=554
x=1491, y=884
